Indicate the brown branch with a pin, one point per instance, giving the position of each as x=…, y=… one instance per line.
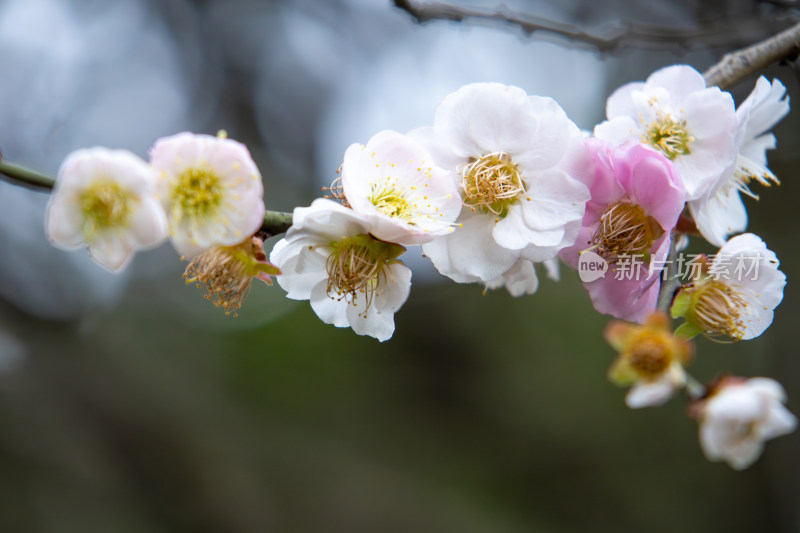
x=629, y=34
x=738, y=65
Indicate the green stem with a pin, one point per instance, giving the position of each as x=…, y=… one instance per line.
x=275, y=222
x=25, y=175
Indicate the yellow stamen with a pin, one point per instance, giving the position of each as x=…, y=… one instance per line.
x=668, y=135
x=625, y=229
x=717, y=309
x=650, y=356
x=197, y=193
x=359, y=265
x=226, y=273
x=105, y=204
x=391, y=202
x=337, y=191
x=492, y=183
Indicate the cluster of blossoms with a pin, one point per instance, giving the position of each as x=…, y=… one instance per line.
x=500, y=182
x=204, y=193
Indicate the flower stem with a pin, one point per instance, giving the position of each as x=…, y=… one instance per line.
x=25, y=176
x=671, y=283
x=275, y=222
x=694, y=389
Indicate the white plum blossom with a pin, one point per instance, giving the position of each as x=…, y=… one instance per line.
x=739, y=416
x=394, y=182
x=522, y=170
x=351, y=278
x=738, y=296
x=211, y=190
x=105, y=199
x=721, y=212
x=674, y=112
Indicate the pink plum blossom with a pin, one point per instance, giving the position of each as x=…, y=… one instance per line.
x=637, y=198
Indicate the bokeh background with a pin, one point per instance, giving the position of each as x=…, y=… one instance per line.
x=130, y=404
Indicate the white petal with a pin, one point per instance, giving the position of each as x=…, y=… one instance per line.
x=148, y=224
x=539, y=254
x=778, y=422
x=720, y=442
x=518, y=280
x=650, y=393
x=438, y=147
x=111, y=250
x=370, y=322
x=514, y=233
x=555, y=200
x=679, y=81
x=328, y=220
x=721, y=215
x=710, y=114
x=330, y=310
x=301, y=269
x=483, y=118
x=395, y=293
x=64, y=223
x=702, y=170
x=760, y=111
x=619, y=130
x=553, y=267
x=620, y=102
x=768, y=388
x=470, y=251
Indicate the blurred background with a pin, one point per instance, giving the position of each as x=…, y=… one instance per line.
x=130, y=404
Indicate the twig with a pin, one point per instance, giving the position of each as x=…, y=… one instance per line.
x=671, y=282
x=742, y=63
x=275, y=223
x=26, y=176
x=629, y=34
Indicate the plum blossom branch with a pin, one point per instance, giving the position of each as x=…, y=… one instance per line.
x=275, y=223
x=25, y=176
x=738, y=65
x=625, y=35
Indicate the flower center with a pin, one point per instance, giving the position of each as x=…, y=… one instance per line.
x=669, y=135
x=359, y=264
x=650, y=357
x=744, y=431
x=197, y=193
x=625, y=229
x=105, y=204
x=491, y=183
x=717, y=309
x=226, y=273
x=391, y=202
